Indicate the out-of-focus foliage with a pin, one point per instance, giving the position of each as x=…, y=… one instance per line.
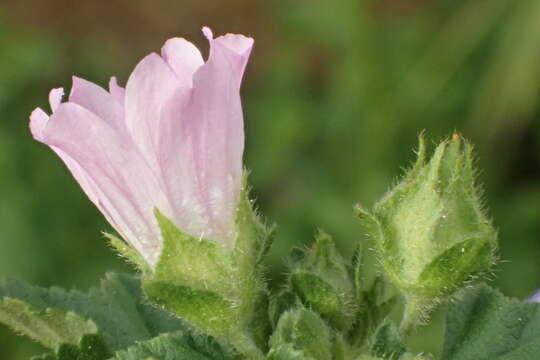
x=334, y=98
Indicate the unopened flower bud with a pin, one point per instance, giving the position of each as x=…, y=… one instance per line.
x=430, y=231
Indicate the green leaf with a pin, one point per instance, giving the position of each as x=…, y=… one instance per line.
x=180, y=345
x=90, y=347
x=485, y=325
x=301, y=334
x=117, y=308
x=50, y=327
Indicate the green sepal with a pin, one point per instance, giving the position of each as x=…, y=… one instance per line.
x=206, y=310
x=283, y=301
x=253, y=236
x=454, y=267
x=191, y=262
x=227, y=284
x=253, y=240
x=194, y=279
x=322, y=281
x=128, y=253
x=301, y=334
x=322, y=297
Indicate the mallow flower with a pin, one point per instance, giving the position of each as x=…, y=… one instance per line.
x=173, y=139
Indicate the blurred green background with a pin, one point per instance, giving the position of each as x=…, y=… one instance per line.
x=334, y=98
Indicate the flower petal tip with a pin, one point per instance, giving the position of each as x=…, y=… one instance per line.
x=208, y=33
x=55, y=98
x=38, y=122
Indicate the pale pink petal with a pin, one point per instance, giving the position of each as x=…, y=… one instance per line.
x=214, y=121
x=118, y=92
x=207, y=32
x=236, y=49
x=114, y=174
x=173, y=139
x=55, y=98
x=97, y=100
x=149, y=88
x=38, y=121
x=178, y=169
x=183, y=57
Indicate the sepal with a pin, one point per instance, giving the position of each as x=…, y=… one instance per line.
x=220, y=291
x=321, y=280
x=301, y=334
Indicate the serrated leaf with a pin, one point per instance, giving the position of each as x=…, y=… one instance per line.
x=118, y=308
x=485, y=325
x=50, y=327
x=178, y=346
x=90, y=347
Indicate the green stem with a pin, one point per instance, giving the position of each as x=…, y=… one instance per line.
x=415, y=310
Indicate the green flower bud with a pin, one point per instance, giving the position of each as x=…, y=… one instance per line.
x=323, y=283
x=301, y=334
x=431, y=234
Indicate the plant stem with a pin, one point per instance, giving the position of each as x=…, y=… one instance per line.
x=415, y=310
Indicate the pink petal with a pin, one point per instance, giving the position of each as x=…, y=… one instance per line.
x=236, y=49
x=118, y=92
x=183, y=57
x=97, y=100
x=213, y=120
x=113, y=174
x=149, y=88
x=38, y=121
x=55, y=98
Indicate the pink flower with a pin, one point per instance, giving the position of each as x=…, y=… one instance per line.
x=173, y=139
